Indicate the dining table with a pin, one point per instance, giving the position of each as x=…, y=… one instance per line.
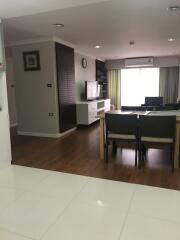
x=150, y=113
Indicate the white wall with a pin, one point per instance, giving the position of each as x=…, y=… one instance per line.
x=5, y=145
x=169, y=61
x=34, y=99
x=83, y=74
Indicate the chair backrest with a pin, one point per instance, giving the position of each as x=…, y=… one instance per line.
x=167, y=108
x=154, y=108
x=173, y=106
x=153, y=101
x=121, y=123
x=157, y=126
x=133, y=108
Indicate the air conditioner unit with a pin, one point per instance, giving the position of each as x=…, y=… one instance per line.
x=139, y=62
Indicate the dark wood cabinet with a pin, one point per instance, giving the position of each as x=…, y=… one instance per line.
x=101, y=77
x=66, y=86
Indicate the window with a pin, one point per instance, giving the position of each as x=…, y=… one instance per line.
x=137, y=83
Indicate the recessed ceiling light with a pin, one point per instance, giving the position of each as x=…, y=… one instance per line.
x=59, y=25
x=100, y=203
x=173, y=8
x=171, y=39
x=97, y=46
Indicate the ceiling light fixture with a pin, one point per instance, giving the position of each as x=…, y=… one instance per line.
x=173, y=8
x=171, y=39
x=100, y=203
x=59, y=25
x=97, y=46
x=131, y=43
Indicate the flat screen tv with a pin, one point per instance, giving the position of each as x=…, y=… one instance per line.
x=91, y=90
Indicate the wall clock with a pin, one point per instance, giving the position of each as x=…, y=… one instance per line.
x=84, y=62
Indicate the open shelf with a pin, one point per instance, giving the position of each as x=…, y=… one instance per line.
x=100, y=105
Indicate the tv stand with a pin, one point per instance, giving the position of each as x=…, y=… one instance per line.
x=88, y=111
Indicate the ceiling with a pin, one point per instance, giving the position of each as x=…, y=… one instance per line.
x=111, y=24
x=15, y=8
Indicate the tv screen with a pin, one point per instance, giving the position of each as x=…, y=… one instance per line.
x=91, y=89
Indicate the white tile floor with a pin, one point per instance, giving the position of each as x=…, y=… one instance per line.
x=47, y=205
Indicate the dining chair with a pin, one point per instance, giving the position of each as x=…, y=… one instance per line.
x=133, y=108
x=158, y=131
x=121, y=128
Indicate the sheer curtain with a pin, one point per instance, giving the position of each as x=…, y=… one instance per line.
x=114, y=87
x=168, y=84
x=137, y=83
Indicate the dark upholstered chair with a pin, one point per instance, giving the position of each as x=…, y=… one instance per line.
x=121, y=128
x=157, y=129
x=173, y=106
x=153, y=101
x=160, y=108
x=133, y=108
x=144, y=108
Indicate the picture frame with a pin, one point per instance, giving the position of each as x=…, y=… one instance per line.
x=31, y=61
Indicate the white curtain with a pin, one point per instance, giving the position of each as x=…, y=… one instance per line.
x=168, y=84
x=114, y=88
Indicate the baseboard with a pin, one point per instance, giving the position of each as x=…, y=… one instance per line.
x=13, y=125
x=36, y=134
x=67, y=132
x=48, y=135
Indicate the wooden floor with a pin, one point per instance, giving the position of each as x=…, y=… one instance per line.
x=78, y=153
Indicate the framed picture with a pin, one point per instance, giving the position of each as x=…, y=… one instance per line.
x=31, y=61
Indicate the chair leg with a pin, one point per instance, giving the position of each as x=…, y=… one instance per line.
x=136, y=153
x=139, y=158
x=143, y=152
x=114, y=145
x=107, y=152
x=172, y=158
